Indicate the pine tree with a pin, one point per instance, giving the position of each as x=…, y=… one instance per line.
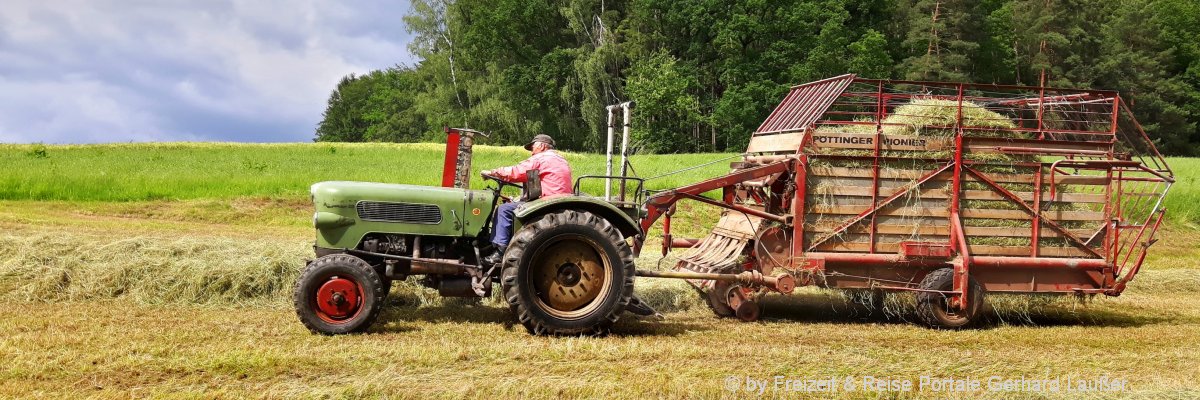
x=940, y=41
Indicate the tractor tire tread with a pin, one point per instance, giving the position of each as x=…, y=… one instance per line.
x=518, y=245
x=373, y=283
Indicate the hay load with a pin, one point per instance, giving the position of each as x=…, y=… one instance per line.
x=930, y=117
x=923, y=117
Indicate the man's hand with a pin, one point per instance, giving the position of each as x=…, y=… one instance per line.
x=486, y=173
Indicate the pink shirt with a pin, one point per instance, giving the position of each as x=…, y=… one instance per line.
x=552, y=168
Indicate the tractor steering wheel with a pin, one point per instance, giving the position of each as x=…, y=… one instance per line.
x=500, y=184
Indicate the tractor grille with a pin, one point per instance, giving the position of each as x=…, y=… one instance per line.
x=399, y=212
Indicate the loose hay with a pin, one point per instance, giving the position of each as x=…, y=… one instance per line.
x=53, y=267
x=150, y=270
x=160, y=270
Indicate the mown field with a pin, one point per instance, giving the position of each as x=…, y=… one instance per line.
x=163, y=270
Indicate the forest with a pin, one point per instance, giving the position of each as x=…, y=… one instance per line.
x=704, y=73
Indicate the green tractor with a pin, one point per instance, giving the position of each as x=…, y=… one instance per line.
x=569, y=268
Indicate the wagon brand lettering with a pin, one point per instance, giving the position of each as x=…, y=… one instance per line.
x=892, y=141
x=869, y=141
x=844, y=140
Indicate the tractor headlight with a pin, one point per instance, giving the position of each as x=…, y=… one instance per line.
x=326, y=220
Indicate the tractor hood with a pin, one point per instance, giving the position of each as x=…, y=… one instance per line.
x=345, y=211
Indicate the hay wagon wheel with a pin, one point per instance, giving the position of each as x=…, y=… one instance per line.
x=934, y=309
x=730, y=300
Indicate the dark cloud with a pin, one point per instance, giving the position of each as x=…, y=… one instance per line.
x=104, y=71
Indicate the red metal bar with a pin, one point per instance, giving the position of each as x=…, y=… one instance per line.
x=667, y=241
x=1036, y=226
x=962, y=266
x=1108, y=213
x=657, y=204
x=885, y=260
x=1045, y=150
x=1041, y=104
x=875, y=165
x=450, y=164
x=1155, y=180
x=799, y=201
x=1077, y=97
x=983, y=128
x=985, y=85
x=1118, y=204
x=1115, y=115
x=1038, y=262
x=764, y=215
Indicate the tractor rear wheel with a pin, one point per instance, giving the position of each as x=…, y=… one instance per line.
x=337, y=294
x=934, y=309
x=568, y=273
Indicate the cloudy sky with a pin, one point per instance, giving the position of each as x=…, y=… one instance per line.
x=87, y=71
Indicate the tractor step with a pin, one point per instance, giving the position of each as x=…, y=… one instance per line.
x=639, y=307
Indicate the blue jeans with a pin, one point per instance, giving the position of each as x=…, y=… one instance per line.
x=502, y=227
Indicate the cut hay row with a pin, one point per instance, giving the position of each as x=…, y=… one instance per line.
x=57, y=266
x=212, y=270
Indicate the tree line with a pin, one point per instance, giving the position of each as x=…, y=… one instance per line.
x=705, y=73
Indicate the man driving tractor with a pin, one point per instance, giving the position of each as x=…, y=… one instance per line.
x=555, y=175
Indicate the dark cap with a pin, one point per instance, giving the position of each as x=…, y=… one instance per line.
x=540, y=139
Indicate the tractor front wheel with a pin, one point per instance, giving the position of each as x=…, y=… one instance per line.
x=568, y=273
x=337, y=294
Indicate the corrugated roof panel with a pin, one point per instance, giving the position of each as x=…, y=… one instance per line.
x=804, y=104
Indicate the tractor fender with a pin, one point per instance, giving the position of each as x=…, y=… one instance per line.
x=528, y=211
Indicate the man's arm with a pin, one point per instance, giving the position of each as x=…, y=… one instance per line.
x=515, y=173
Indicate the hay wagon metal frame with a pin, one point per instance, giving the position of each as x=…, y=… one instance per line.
x=828, y=193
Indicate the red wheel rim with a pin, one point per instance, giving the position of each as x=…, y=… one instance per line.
x=338, y=300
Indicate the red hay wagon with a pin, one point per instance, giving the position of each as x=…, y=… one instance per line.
x=948, y=190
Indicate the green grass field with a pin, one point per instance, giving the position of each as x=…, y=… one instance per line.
x=1183, y=201
x=177, y=171
x=163, y=270
x=185, y=171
